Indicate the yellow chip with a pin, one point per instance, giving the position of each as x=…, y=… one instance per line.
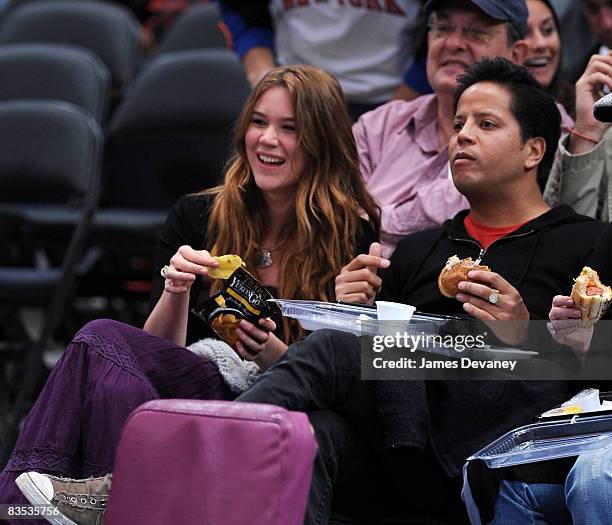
x=227, y=266
x=220, y=301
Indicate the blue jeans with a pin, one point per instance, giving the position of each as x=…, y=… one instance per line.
x=584, y=499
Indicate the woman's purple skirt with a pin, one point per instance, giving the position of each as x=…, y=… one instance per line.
x=108, y=370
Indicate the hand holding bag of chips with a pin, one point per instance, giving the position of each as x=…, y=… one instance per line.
x=242, y=297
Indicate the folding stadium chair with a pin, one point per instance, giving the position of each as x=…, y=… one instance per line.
x=138, y=7
x=9, y=6
x=108, y=30
x=171, y=133
x=198, y=27
x=169, y=136
x=50, y=158
x=54, y=71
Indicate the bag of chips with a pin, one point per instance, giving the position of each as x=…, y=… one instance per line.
x=242, y=297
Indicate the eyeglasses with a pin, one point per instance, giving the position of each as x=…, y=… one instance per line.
x=473, y=34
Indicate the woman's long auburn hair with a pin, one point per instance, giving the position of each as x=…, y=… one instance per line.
x=330, y=198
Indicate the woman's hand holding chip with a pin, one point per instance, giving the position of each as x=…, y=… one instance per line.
x=185, y=265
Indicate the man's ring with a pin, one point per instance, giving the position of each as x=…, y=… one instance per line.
x=494, y=297
x=164, y=271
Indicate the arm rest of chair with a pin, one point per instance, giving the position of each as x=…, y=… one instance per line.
x=185, y=461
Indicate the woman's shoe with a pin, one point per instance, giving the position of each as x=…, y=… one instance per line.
x=70, y=501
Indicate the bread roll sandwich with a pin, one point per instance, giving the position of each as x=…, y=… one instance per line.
x=455, y=270
x=590, y=296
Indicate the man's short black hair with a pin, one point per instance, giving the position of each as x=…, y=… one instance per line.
x=534, y=109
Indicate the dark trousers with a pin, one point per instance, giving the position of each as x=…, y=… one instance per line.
x=321, y=375
x=316, y=375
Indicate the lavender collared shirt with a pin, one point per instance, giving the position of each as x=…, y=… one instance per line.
x=405, y=169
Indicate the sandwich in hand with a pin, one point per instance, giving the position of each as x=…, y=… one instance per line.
x=455, y=270
x=590, y=296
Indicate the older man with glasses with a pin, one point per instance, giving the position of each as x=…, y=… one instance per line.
x=403, y=146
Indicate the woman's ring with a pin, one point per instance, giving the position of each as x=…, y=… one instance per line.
x=164, y=271
x=494, y=297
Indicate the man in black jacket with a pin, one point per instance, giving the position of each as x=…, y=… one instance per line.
x=505, y=132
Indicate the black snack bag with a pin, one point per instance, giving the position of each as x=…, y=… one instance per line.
x=242, y=297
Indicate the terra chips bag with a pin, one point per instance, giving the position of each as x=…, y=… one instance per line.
x=242, y=297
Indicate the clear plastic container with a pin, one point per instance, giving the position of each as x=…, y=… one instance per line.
x=357, y=319
x=315, y=315
x=548, y=440
x=363, y=320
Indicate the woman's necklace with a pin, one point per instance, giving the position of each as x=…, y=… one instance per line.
x=265, y=258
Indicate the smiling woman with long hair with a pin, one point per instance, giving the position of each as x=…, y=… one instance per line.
x=328, y=198
x=293, y=206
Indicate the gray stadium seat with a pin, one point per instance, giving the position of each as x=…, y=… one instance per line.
x=172, y=132
x=50, y=163
x=55, y=71
x=108, y=30
x=195, y=28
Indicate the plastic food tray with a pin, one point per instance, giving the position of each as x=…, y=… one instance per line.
x=548, y=440
x=315, y=315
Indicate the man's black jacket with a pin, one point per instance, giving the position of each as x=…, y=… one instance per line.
x=540, y=259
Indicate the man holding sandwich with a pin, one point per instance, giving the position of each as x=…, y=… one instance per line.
x=505, y=130
x=584, y=496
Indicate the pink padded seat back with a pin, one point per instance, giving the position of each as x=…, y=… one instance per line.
x=212, y=463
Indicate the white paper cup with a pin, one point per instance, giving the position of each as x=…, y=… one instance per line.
x=388, y=311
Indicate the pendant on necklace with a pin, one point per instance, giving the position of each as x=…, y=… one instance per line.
x=265, y=259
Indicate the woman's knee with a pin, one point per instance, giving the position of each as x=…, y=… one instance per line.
x=103, y=326
x=342, y=348
x=104, y=332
